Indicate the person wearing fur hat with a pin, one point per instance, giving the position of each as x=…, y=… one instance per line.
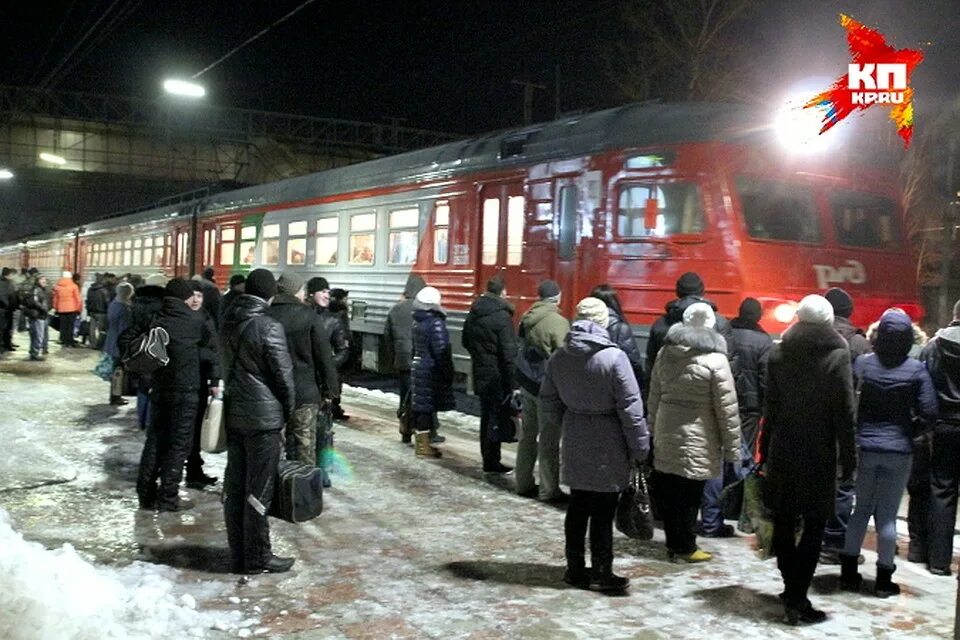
x=432, y=368
x=314, y=371
x=809, y=426
x=68, y=304
x=690, y=290
x=695, y=422
x=174, y=397
x=146, y=304
x=398, y=339
x=259, y=399
x=591, y=391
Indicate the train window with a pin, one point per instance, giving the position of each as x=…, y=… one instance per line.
x=514, y=230
x=678, y=210
x=441, y=234
x=778, y=210
x=137, y=252
x=651, y=160
x=404, y=236
x=362, y=244
x=271, y=244
x=297, y=243
x=567, y=234
x=491, y=230
x=183, y=248
x=327, y=230
x=864, y=220
x=228, y=245
x=248, y=244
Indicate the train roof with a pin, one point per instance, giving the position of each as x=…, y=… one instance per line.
x=633, y=125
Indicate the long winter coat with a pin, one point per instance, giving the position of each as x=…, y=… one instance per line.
x=942, y=357
x=259, y=393
x=693, y=408
x=66, y=297
x=489, y=337
x=432, y=373
x=809, y=413
x=621, y=333
x=192, y=349
x=750, y=349
x=674, y=315
x=590, y=389
x=118, y=320
x=314, y=370
x=893, y=389
x=398, y=330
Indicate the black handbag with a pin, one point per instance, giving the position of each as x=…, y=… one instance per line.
x=298, y=493
x=148, y=352
x=53, y=321
x=507, y=426
x=634, y=516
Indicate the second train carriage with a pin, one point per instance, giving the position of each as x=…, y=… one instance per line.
x=632, y=196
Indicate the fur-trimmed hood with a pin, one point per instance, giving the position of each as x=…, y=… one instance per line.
x=810, y=337
x=697, y=339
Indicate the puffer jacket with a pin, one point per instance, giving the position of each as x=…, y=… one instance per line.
x=942, y=357
x=314, y=370
x=66, y=297
x=489, y=337
x=398, y=330
x=750, y=349
x=259, y=392
x=432, y=373
x=118, y=320
x=145, y=306
x=674, y=315
x=543, y=327
x=192, y=349
x=339, y=335
x=590, y=390
x=694, y=416
x=893, y=388
x=622, y=335
x=856, y=339
x=36, y=303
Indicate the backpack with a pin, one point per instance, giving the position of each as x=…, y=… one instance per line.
x=148, y=353
x=531, y=365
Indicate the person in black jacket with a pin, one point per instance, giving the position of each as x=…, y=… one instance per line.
x=8, y=305
x=259, y=399
x=489, y=336
x=432, y=372
x=398, y=335
x=620, y=331
x=318, y=289
x=236, y=288
x=211, y=293
x=147, y=302
x=314, y=371
x=96, y=304
x=36, y=307
x=195, y=477
x=690, y=289
x=942, y=358
x=174, y=397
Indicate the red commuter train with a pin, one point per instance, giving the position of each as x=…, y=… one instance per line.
x=632, y=196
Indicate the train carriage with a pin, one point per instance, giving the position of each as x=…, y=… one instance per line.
x=632, y=196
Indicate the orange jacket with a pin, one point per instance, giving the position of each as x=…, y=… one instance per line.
x=66, y=297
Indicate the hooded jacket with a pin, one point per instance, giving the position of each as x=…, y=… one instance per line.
x=674, y=315
x=621, y=333
x=942, y=357
x=856, y=340
x=893, y=388
x=398, y=330
x=809, y=412
x=590, y=390
x=192, y=349
x=750, y=349
x=314, y=369
x=118, y=321
x=489, y=337
x=432, y=373
x=66, y=297
x=97, y=298
x=693, y=409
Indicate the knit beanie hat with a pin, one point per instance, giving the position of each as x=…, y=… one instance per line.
x=548, y=289
x=289, y=283
x=261, y=283
x=594, y=310
x=689, y=284
x=179, y=288
x=429, y=296
x=841, y=302
x=316, y=284
x=237, y=279
x=815, y=309
x=750, y=310
x=156, y=280
x=699, y=315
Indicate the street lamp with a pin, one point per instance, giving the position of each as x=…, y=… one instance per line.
x=53, y=158
x=184, y=88
x=6, y=174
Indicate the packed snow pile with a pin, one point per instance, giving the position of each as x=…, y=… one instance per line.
x=53, y=595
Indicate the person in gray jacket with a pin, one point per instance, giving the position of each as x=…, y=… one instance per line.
x=398, y=335
x=591, y=390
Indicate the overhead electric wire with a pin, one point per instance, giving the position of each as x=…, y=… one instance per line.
x=122, y=14
x=48, y=79
x=53, y=41
x=250, y=39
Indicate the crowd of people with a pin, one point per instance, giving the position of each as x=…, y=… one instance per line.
x=838, y=422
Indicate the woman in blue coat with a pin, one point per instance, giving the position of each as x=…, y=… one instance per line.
x=894, y=391
x=118, y=320
x=432, y=373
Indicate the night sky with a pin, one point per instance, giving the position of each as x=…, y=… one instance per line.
x=434, y=64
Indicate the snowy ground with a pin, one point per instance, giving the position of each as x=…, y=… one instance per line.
x=406, y=548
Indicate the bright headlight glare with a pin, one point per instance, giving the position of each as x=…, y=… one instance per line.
x=784, y=312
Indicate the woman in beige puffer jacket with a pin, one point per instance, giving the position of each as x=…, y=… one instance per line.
x=695, y=423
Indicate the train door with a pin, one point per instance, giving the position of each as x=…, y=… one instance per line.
x=567, y=250
x=181, y=257
x=208, y=248
x=501, y=236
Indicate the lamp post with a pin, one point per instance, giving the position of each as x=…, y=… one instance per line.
x=184, y=88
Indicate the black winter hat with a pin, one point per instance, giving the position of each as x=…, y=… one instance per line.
x=261, y=283
x=179, y=288
x=548, y=289
x=689, y=284
x=750, y=310
x=237, y=279
x=317, y=284
x=841, y=302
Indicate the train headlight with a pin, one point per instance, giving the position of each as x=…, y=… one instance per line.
x=784, y=312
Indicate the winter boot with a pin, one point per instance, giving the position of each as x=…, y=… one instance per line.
x=423, y=447
x=885, y=586
x=118, y=401
x=850, y=578
x=602, y=577
x=576, y=574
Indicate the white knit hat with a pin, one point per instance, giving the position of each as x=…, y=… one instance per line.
x=595, y=310
x=156, y=280
x=66, y=274
x=699, y=315
x=429, y=296
x=815, y=309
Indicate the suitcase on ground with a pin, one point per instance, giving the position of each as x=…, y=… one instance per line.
x=298, y=494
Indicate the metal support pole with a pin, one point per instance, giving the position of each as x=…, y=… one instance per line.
x=949, y=225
